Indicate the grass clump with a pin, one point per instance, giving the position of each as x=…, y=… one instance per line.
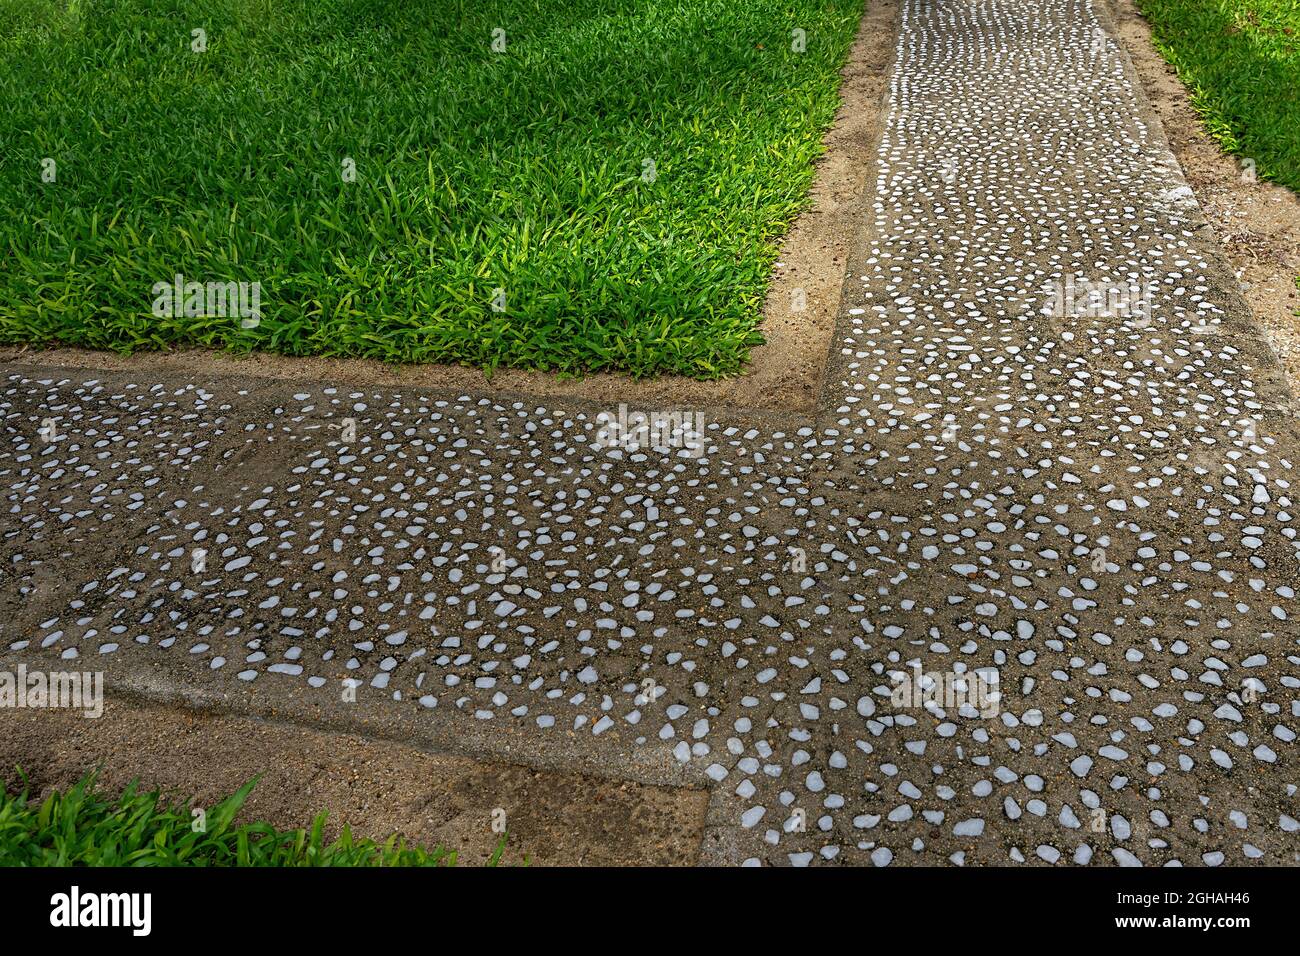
x=1241, y=61
x=603, y=190
x=83, y=827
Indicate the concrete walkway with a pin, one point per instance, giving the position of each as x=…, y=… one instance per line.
x=1086, y=499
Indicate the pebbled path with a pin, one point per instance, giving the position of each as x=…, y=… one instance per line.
x=1092, y=502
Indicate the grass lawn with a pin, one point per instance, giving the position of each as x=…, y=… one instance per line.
x=1241, y=61
x=82, y=827
x=607, y=193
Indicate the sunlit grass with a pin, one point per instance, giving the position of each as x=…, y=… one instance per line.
x=622, y=172
x=1241, y=61
x=83, y=827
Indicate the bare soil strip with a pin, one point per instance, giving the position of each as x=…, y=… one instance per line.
x=376, y=787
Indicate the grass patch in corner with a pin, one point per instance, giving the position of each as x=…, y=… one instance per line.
x=621, y=171
x=1241, y=61
x=83, y=827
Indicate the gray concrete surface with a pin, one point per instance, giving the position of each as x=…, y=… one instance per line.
x=1094, y=504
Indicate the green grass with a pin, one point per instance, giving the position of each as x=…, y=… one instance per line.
x=475, y=170
x=82, y=827
x=1241, y=61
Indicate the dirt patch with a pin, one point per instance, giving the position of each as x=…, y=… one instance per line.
x=376, y=787
x=798, y=317
x=1256, y=223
